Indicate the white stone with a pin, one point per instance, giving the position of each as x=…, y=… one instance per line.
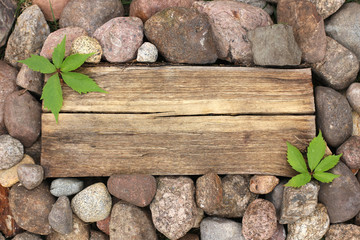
x=147, y=53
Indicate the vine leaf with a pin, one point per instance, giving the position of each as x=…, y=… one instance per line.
x=296, y=159
x=59, y=53
x=299, y=180
x=81, y=83
x=39, y=64
x=52, y=95
x=73, y=62
x=316, y=151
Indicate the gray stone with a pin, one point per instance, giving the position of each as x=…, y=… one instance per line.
x=7, y=86
x=27, y=236
x=66, y=186
x=28, y=36
x=213, y=228
x=96, y=235
x=81, y=231
x=11, y=151
x=274, y=46
x=342, y=196
x=7, y=18
x=351, y=152
x=353, y=96
x=23, y=117
x=90, y=14
x=93, y=203
x=174, y=211
x=131, y=222
x=312, y=227
x=30, y=80
x=276, y=197
x=339, y=68
x=230, y=21
x=344, y=27
x=298, y=202
x=30, y=175
x=147, y=53
x=343, y=231
x=86, y=45
x=61, y=216
x=182, y=35
x=333, y=114
x=34, y=151
x=327, y=7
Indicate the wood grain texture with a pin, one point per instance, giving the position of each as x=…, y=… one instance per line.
x=104, y=144
x=186, y=90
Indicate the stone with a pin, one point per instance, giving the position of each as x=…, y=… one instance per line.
x=353, y=96
x=8, y=225
x=27, y=236
x=104, y=225
x=93, y=203
x=308, y=27
x=81, y=231
x=182, y=35
x=137, y=189
x=341, y=197
x=90, y=14
x=7, y=85
x=280, y=233
x=356, y=123
x=214, y=228
x=343, y=26
x=274, y=45
x=173, y=209
x=230, y=21
x=11, y=151
x=131, y=222
x=28, y=36
x=60, y=217
x=7, y=18
x=96, y=235
x=120, y=38
x=66, y=186
x=190, y=236
x=333, y=114
x=299, y=202
x=30, y=175
x=34, y=151
x=22, y=117
x=56, y=7
x=30, y=80
x=258, y=3
x=147, y=52
x=343, y=231
x=56, y=37
x=276, y=197
x=326, y=8
x=9, y=176
x=350, y=151
x=144, y=9
x=263, y=184
x=209, y=192
x=339, y=68
x=357, y=219
x=86, y=45
x=31, y=208
x=259, y=221
x=312, y=227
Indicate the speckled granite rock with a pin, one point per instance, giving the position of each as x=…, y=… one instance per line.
x=147, y=52
x=86, y=45
x=213, y=228
x=29, y=34
x=11, y=151
x=327, y=7
x=343, y=231
x=7, y=18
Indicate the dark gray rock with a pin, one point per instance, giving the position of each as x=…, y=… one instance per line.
x=7, y=18
x=11, y=151
x=23, y=117
x=66, y=186
x=342, y=196
x=333, y=114
x=274, y=46
x=81, y=231
x=351, y=152
x=343, y=231
x=276, y=196
x=34, y=151
x=30, y=175
x=182, y=35
x=213, y=228
x=339, y=68
x=344, y=27
x=60, y=217
x=353, y=96
x=27, y=236
x=90, y=14
x=30, y=80
x=29, y=34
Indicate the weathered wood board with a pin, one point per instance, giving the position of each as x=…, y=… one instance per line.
x=180, y=121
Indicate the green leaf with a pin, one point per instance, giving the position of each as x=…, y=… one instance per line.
x=316, y=151
x=74, y=61
x=295, y=159
x=328, y=163
x=81, y=83
x=299, y=180
x=59, y=53
x=39, y=64
x=325, y=177
x=52, y=95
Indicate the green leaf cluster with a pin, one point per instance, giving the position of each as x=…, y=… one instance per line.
x=61, y=69
x=317, y=165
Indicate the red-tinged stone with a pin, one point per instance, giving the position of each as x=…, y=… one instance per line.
x=8, y=225
x=57, y=7
x=209, y=192
x=103, y=225
x=263, y=184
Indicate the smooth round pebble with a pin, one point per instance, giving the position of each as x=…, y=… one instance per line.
x=263, y=184
x=66, y=186
x=11, y=151
x=147, y=53
x=353, y=96
x=30, y=175
x=86, y=45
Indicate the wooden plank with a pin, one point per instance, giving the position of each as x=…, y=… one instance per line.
x=186, y=90
x=104, y=144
